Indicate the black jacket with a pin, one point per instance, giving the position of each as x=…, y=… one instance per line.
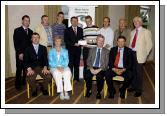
x=127, y=58
x=31, y=59
x=21, y=39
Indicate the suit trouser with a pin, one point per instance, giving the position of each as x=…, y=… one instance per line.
x=99, y=79
x=109, y=76
x=32, y=79
x=20, y=80
x=59, y=77
x=74, y=60
x=85, y=57
x=137, y=81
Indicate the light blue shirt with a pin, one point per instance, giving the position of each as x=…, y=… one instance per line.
x=96, y=56
x=49, y=35
x=55, y=62
x=120, y=63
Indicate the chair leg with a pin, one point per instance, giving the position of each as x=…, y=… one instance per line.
x=126, y=93
x=72, y=86
x=84, y=88
x=28, y=90
x=105, y=89
x=52, y=87
x=49, y=89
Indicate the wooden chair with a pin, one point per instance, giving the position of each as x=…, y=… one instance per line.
x=38, y=79
x=94, y=79
x=119, y=79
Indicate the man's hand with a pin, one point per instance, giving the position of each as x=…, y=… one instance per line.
x=76, y=44
x=97, y=71
x=45, y=71
x=21, y=56
x=30, y=72
x=92, y=71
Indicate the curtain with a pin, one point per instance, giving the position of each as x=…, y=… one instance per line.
x=8, y=72
x=100, y=12
x=51, y=11
x=130, y=12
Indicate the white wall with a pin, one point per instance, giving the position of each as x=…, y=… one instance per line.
x=15, y=13
x=115, y=13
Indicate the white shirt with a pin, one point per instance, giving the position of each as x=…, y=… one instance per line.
x=139, y=29
x=120, y=63
x=108, y=34
x=36, y=46
x=74, y=29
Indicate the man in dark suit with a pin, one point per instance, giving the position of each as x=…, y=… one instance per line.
x=97, y=65
x=36, y=62
x=22, y=39
x=71, y=37
x=120, y=64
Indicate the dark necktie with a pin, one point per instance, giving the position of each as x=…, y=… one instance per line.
x=75, y=30
x=26, y=30
x=134, y=39
x=117, y=58
x=97, y=62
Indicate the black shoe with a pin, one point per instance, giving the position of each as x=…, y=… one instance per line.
x=131, y=90
x=98, y=96
x=111, y=95
x=45, y=92
x=88, y=94
x=34, y=94
x=137, y=94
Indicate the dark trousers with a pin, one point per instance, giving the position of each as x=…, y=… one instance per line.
x=85, y=57
x=74, y=60
x=109, y=76
x=137, y=81
x=99, y=79
x=20, y=80
x=32, y=79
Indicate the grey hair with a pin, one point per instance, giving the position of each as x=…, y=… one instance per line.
x=100, y=36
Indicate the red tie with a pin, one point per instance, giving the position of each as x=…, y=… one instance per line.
x=134, y=39
x=117, y=58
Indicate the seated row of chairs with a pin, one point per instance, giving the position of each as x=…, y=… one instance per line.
x=52, y=84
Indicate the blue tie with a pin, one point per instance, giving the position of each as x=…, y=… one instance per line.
x=97, y=62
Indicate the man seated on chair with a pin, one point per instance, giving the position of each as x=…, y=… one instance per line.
x=97, y=64
x=120, y=64
x=58, y=62
x=36, y=63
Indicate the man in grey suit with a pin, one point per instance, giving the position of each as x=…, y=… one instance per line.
x=97, y=65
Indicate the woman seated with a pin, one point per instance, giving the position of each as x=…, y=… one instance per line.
x=58, y=62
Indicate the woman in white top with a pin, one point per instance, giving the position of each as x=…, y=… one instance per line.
x=107, y=32
x=58, y=62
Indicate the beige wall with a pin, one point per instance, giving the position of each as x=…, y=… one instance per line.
x=115, y=13
x=15, y=14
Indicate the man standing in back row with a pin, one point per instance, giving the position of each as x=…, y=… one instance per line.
x=71, y=37
x=141, y=45
x=22, y=39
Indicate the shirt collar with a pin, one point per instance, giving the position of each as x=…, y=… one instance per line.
x=24, y=27
x=35, y=45
x=121, y=48
x=139, y=28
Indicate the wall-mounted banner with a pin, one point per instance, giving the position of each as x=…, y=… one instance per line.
x=81, y=12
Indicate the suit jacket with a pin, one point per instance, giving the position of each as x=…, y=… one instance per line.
x=70, y=38
x=63, y=60
x=127, y=58
x=43, y=35
x=143, y=44
x=31, y=59
x=104, y=58
x=21, y=39
x=126, y=32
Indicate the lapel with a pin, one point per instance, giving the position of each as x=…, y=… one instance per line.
x=94, y=54
x=102, y=56
x=74, y=32
x=33, y=50
x=24, y=31
x=124, y=56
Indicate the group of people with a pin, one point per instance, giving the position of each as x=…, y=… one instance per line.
x=53, y=51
